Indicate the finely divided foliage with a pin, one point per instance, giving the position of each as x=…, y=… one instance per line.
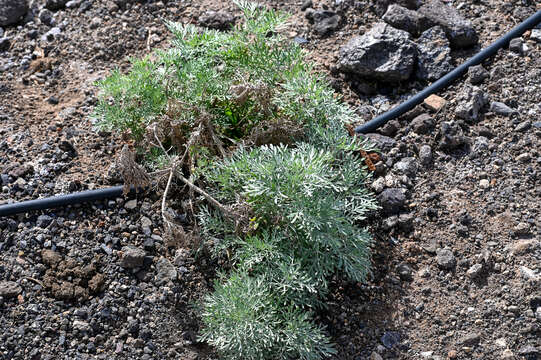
x=291, y=184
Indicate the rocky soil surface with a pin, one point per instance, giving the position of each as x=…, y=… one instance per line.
x=457, y=256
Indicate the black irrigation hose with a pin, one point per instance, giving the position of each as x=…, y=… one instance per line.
x=93, y=195
x=61, y=200
x=450, y=77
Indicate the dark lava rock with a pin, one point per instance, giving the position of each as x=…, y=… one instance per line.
x=218, y=20
x=405, y=272
x=383, y=53
x=11, y=11
x=390, y=339
x=392, y=200
x=445, y=258
x=434, y=59
x=459, y=30
x=515, y=45
x=425, y=155
x=381, y=6
x=470, y=102
x=46, y=17
x=4, y=44
x=406, y=19
x=406, y=166
x=306, y=4
x=382, y=142
x=9, y=289
x=132, y=257
x=43, y=221
x=55, y=4
x=422, y=124
x=166, y=271
x=452, y=136
x=67, y=147
x=477, y=74
x=325, y=21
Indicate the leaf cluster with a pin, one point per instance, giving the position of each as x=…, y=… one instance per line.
x=291, y=176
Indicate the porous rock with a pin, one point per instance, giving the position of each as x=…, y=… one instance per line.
x=434, y=59
x=11, y=11
x=459, y=30
x=405, y=19
x=383, y=53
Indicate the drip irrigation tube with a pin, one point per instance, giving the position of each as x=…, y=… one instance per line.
x=116, y=191
x=450, y=77
x=60, y=200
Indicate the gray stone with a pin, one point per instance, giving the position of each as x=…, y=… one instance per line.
x=43, y=221
x=434, y=59
x=11, y=11
x=474, y=271
x=390, y=339
x=381, y=6
x=52, y=34
x=480, y=144
x=392, y=200
x=382, y=142
x=46, y=17
x=459, y=30
x=5, y=43
x=218, y=20
x=425, y=155
x=445, y=259
x=132, y=257
x=383, y=53
x=131, y=204
x=390, y=222
x=536, y=35
x=515, y=45
x=477, y=74
x=407, y=166
x=524, y=158
x=306, y=4
x=471, y=339
x=166, y=271
x=9, y=289
x=501, y=109
x=422, y=124
x=405, y=19
x=55, y=4
x=424, y=273
x=528, y=350
x=470, y=103
x=523, y=126
x=528, y=274
x=405, y=222
x=405, y=272
x=325, y=21
x=82, y=326
x=452, y=136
